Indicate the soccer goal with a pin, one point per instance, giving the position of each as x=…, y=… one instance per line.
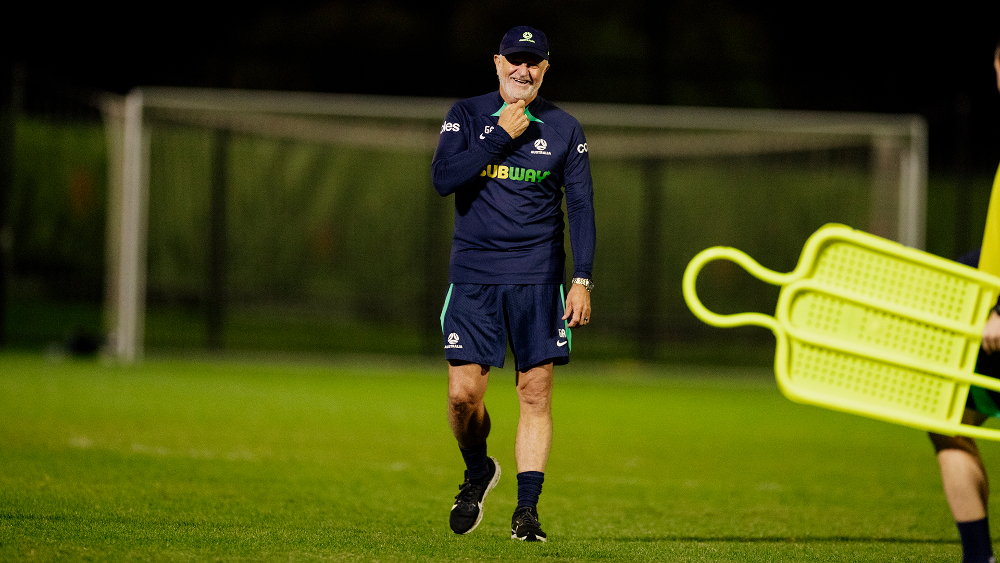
x=271, y=220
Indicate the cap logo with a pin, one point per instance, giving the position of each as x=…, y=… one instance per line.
x=527, y=37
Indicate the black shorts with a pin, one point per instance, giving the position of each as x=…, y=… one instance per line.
x=984, y=400
x=478, y=320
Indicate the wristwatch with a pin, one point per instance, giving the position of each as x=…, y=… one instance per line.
x=585, y=283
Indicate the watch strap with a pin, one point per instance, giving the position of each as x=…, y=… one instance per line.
x=585, y=283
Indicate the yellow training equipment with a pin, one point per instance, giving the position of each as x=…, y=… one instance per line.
x=871, y=327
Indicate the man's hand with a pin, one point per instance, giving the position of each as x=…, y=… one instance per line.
x=991, y=333
x=577, y=306
x=513, y=120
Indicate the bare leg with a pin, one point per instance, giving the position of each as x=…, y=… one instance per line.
x=962, y=472
x=467, y=415
x=534, y=426
x=470, y=423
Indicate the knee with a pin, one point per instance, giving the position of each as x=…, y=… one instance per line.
x=466, y=386
x=535, y=393
x=463, y=400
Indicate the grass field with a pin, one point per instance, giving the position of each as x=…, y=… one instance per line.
x=352, y=460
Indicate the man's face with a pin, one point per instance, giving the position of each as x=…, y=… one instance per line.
x=520, y=75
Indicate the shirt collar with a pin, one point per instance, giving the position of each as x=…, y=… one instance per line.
x=527, y=113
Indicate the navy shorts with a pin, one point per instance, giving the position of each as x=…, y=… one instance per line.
x=478, y=320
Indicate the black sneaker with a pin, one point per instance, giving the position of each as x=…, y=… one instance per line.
x=524, y=525
x=468, y=508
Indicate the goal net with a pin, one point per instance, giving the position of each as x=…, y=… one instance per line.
x=294, y=221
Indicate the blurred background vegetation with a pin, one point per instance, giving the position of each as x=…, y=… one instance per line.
x=54, y=179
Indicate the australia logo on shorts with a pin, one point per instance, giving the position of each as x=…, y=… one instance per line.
x=453, y=341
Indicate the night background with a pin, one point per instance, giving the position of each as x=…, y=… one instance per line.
x=933, y=60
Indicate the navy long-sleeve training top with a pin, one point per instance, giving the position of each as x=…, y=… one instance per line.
x=508, y=193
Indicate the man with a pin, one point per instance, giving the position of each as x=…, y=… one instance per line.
x=507, y=156
x=962, y=471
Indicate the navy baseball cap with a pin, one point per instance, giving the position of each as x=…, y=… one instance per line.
x=524, y=39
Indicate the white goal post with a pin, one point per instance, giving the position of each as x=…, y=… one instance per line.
x=897, y=144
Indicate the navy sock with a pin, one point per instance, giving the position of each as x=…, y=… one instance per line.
x=529, y=486
x=976, y=544
x=475, y=461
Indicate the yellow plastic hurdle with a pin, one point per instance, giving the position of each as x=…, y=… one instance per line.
x=868, y=326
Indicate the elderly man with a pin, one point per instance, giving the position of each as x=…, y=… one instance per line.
x=508, y=157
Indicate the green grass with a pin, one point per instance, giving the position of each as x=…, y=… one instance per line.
x=352, y=460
